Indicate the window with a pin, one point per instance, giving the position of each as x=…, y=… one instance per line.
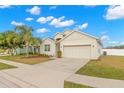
x=47, y=47
x=64, y=35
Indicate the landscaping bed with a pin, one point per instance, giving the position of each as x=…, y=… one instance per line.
x=107, y=67
x=32, y=59
x=5, y=66
x=74, y=85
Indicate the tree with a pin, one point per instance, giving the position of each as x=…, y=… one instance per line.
x=20, y=37
x=9, y=40
x=2, y=38
x=35, y=42
x=26, y=36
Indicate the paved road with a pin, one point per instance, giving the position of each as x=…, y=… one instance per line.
x=48, y=74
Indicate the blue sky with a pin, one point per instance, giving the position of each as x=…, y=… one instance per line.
x=106, y=22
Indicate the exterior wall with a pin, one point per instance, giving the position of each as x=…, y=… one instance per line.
x=58, y=35
x=77, y=38
x=98, y=49
x=116, y=52
x=52, y=47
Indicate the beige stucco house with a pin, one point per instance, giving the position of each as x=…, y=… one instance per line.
x=73, y=44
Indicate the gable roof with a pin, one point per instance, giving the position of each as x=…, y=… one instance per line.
x=80, y=33
x=51, y=39
x=62, y=33
x=59, y=33
x=67, y=30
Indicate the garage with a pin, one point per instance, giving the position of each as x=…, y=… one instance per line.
x=77, y=51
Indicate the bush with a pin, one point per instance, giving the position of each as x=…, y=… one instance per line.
x=31, y=53
x=44, y=55
x=22, y=54
x=104, y=53
x=59, y=54
x=2, y=50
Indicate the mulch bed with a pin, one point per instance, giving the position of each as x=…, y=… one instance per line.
x=33, y=57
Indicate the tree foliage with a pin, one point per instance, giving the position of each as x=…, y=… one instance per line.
x=20, y=36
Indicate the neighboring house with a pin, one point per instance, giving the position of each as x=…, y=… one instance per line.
x=115, y=52
x=48, y=47
x=73, y=44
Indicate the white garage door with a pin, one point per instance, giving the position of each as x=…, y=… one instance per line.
x=77, y=51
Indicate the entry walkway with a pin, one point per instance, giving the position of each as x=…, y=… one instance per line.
x=17, y=64
x=95, y=81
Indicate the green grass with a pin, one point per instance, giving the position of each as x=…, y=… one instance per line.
x=5, y=66
x=2, y=50
x=108, y=67
x=27, y=60
x=74, y=85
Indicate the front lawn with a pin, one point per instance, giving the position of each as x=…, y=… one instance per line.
x=27, y=60
x=74, y=85
x=5, y=66
x=107, y=67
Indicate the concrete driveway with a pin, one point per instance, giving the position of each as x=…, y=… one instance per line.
x=68, y=65
x=49, y=74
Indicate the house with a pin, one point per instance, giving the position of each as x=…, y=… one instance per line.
x=73, y=44
x=48, y=47
x=114, y=52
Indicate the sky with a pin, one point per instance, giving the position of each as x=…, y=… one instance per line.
x=105, y=22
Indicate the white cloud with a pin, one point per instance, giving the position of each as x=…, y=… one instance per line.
x=53, y=7
x=65, y=23
x=56, y=21
x=121, y=43
x=83, y=26
x=17, y=23
x=113, y=42
x=105, y=38
x=103, y=32
x=34, y=10
x=115, y=12
x=60, y=22
x=42, y=30
x=29, y=19
x=43, y=20
x=49, y=18
x=4, y=6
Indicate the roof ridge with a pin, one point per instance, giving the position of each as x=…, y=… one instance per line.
x=81, y=33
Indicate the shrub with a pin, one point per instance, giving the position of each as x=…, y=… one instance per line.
x=44, y=55
x=104, y=53
x=2, y=50
x=30, y=53
x=22, y=54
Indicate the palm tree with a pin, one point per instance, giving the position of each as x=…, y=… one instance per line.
x=26, y=35
x=2, y=40
x=35, y=41
x=11, y=41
